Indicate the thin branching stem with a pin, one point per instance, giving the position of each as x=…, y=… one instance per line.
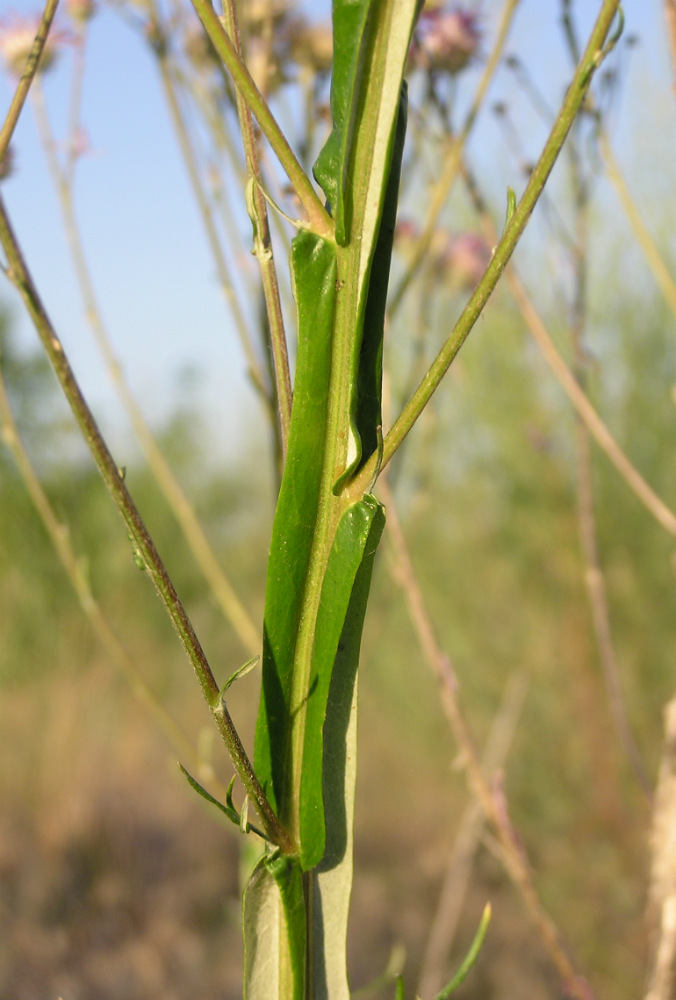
x=493, y=805
x=143, y=544
x=655, y=260
x=263, y=244
x=662, y=893
x=670, y=18
x=577, y=397
x=594, y=575
x=456, y=881
x=591, y=59
x=206, y=216
x=27, y=77
x=317, y=216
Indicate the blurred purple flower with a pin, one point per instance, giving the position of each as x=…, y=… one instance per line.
x=445, y=40
x=17, y=34
x=465, y=258
x=460, y=260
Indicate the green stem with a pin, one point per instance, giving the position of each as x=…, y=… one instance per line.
x=263, y=245
x=318, y=217
x=452, y=161
x=32, y=66
x=590, y=61
x=18, y=273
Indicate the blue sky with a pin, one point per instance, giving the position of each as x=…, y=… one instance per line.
x=147, y=251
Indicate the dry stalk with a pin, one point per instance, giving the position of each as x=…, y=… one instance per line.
x=459, y=867
x=662, y=895
x=493, y=804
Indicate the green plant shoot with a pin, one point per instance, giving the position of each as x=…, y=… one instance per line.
x=324, y=538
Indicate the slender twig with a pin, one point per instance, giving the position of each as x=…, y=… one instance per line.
x=459, y=868
x=27, y=77
x=598, y=602
x=594, y=576
x=598, y=429
x=442, y=188
x=144, y=547
x=317, y=215
x=263, y=243
x=511, y=849
x=591, y=59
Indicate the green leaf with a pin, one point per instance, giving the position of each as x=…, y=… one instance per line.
x=470, y=958
x=239, y=819
x=238, y=674
x=350, y=38
x=314, y=271
x=274, y=931
x=372, y=141
x=368, y=418
x=335, y=654
x=332, y=881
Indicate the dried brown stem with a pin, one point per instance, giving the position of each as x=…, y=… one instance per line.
x=594, y=576
x=511, y=850
x=454, y=888
x=662, y=897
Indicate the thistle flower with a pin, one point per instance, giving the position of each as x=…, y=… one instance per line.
x=445, y=40
x=17, y=35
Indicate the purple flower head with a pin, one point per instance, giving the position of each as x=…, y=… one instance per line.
x=445, y=40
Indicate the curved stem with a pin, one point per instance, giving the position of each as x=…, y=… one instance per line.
x=655, y=260
x=18, y=273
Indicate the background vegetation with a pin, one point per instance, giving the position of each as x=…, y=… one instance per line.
x=116, y=881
